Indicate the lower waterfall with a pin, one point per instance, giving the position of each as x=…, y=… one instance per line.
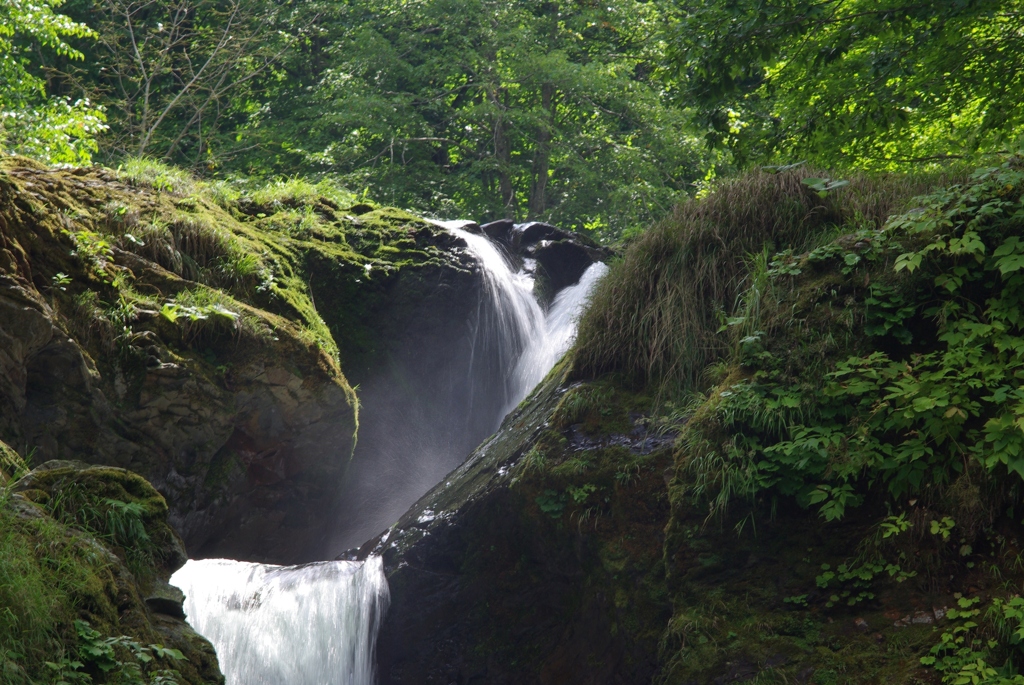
x=314, y=624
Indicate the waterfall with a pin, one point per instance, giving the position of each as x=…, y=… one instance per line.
x=530, y=340
x=412, y=432
x=314, y=624
x=549, y=341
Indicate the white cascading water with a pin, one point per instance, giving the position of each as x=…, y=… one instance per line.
x=314, y=624
x=317, y=624
x=535, y=340
x=546, y=346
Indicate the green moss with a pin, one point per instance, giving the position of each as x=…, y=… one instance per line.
x=296, y=192
x=259, y=252
x=225, y=463
x=49, y=576
x=116, y=506
x=11, y=463
x=87, y=544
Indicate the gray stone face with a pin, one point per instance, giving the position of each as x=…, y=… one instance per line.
x=164, y=598
x=247, y=471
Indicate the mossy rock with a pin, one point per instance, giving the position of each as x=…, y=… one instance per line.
x=11, y=463
x=63, y=567
x=145, y=309
x=89, y=496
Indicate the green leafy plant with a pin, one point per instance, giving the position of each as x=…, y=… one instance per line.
x=823, y=186
x=121, y=659
x=942, y=527
x=580, y=494
x=901, y=419
x=56, y=129
x=965, y=654
x=894, y=525
x=60, y=280
x=198, y=314
x=853, y=582
x=552, y=503
x=95, y=249
x=796, y=600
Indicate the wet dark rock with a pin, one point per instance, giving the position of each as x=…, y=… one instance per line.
x=563, y=261
x=455, y=617
x=638, y=441
x=500, y=230
x=527, y=234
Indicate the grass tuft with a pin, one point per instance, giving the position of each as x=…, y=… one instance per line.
x=297, y=192
x=146, y=172
x=656, y=317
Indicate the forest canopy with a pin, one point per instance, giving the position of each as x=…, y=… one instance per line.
x=593, y=116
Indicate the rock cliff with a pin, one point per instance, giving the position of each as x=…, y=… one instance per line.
x=196, y=334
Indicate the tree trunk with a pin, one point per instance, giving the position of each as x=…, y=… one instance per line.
x=503, y=156
x=542, y=154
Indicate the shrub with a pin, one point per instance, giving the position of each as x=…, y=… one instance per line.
x=929, y=388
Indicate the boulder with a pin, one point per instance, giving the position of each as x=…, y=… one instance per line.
x=533, y=231
x=119, y=584
x=164, y=598
x=562, y=261
x=246, y=431
x=500, y=230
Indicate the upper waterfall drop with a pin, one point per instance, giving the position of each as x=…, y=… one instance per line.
x=534, y=340
x=554, y=337
x=479, y=345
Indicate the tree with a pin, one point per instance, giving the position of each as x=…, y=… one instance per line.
x=863, y=83
x=33, y=121
x=176, y=74
x=487, y=108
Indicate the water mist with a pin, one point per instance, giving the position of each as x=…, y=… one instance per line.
x=316, y=624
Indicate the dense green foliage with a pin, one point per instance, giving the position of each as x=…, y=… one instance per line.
x=519, y=109
x=49, y=126
x=844, y=392
x=935, y=387
x=859, y=84
x=501, y=108
x=656, y=316
x=591, y=116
